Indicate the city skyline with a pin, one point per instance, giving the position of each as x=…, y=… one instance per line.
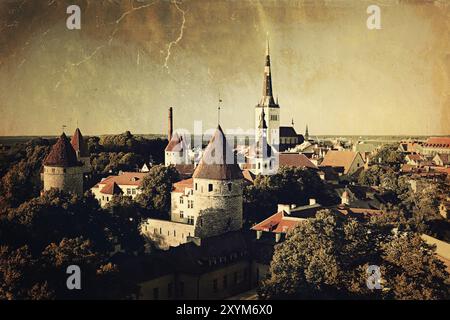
x=337, y=76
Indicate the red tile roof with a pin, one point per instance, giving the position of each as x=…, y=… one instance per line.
x=176, y=144
x=62, y=154
x=112, y=189
x=339, y=159
x=277, y=223
x=218, y=161
x=126, y=178
x=295, y=160
x=180, y=186
x=438, y=142
x=79, y=144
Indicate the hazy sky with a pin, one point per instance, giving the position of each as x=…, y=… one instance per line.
x=126, y=66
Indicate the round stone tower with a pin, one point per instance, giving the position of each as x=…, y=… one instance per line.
x=217, y=184
x=62, y=170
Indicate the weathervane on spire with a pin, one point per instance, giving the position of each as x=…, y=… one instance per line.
x=218, y=109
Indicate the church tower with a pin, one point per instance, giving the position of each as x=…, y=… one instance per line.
x=62, y=170
x=217, y=188
x=81, y=150
x=271, y=108
x=262, y=156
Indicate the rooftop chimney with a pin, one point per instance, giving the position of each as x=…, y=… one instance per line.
x=170, y=123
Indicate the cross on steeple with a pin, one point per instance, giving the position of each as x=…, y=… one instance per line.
x=218, y=110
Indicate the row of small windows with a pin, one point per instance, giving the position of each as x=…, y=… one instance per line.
x=273, y=117
x=211, y=187
x=131, y=191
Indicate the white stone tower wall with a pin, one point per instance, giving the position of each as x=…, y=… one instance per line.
x=67, y=179
x=222, y=209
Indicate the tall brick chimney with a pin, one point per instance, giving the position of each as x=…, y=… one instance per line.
x=170, y=123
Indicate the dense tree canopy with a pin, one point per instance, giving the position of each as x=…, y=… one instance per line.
x=289, y=186
x=156, y=189
x=388, y=154
x=329, y=256
x=45, y=235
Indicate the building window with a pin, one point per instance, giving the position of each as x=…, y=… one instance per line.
x=229, y=186
x=190, y=220
x=181, y=200
x=155, y=293
x=196, y=186
x=160, y=230
x=107, y=198
x=225, y=281
x=174, y=233
x=133, y=191
x=169, y=290
x=181, y=215
x=215, y=287
x=210, y=187
x=128, y=191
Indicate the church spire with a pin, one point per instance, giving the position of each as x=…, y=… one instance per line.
x=306, y=133
x=267, y=83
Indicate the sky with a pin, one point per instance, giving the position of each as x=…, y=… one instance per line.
x=131, y=60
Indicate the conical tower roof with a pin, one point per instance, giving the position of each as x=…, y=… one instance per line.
x=62, y=154
x=218, y=161
x=78, y=144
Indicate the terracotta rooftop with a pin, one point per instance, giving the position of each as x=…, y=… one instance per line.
x=78, y=144
x=343, y=159
x=112, y=189
x=218, y=161
x=180, y=186
x=176, y=144
x=295, y=160
x=438, y=142
x=125, y=178
x=62, y=154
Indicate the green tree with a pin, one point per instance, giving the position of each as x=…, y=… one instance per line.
x=327, y=257
x=125, y=216
x=289, y=185
x=156, y=189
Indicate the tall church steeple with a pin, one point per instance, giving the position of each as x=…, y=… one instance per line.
x=267, y=99
x=271, y=109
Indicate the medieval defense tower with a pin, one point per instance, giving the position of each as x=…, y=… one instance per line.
x=62, y=170
x=217, y=184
